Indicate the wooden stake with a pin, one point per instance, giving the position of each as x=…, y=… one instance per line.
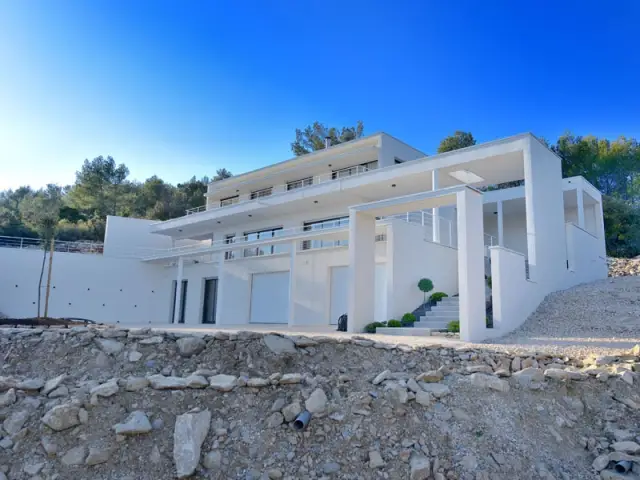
x=46, y=298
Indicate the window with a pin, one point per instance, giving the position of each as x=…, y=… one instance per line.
x=305, y=182
x=229, y=201
x=266, y=249
x=324, y=224
x=397, y=160
x=229, y=239
x=265, y=192
x=354, y=170
x=183, y=302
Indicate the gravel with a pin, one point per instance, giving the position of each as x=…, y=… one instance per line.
x=599, y=318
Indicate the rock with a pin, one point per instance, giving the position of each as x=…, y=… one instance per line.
x=83, y=416
x=291, y=411
x=601, y=462
x=575, y=404
x=479, y=369
x=136, y=423
x=602, y=377
x=134, y=356
x=108, y=346
x=413, y=385
x=330, y=468
x=189, y=346
x=436, y=389
x=420, y=467
x=98, y=456
x=14, y=422
x=75, y=456
x=626, y=447
x=160, y=382
x=155, y=340
x=502, y=372
x=258, y=382
x=197, y=381
x=155, y=456
x=529, y=363
x=627, y=377
x=290, y=378
x=424, y=398
x=278, y=344
x=275, y=420
x=212, y=460
x=516, y=364
x=635, y=351
x=51, y=385
x=274, y=474
x=432, y=376
x=33, y=468
x=375, y=459
x=190, y=431
x=489, y=381
x=106, y=390
x=223, y=383
x=135, y=384
x=7, y=382
x=50, y=448
x=556, y=374
x=605, y=360
x=8, y=398
x=528, y=375
x=381, y=377
x=613, y=475
x=469, y=463
x=278, y=404
x=59, y=392
x=317, y=401
x=398, y=396
x=6, y=443
x=30, y=384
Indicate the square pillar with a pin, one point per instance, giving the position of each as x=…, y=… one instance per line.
x=500, y=225
x=292, y=282
x=435, y=212
x=471, y=266
x=177, y=307
x=580, y=199
x=362, y=270
x=220, y=318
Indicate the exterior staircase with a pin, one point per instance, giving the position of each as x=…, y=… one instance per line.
x=440, y=315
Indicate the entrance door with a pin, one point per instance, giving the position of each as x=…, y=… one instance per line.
x=270, y=297
x=183, y=303
x=209, y=300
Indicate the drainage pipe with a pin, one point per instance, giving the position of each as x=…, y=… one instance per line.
x=302, y=421
x=623, y=466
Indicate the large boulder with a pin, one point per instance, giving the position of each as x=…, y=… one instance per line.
x=279, y=345
x=62, y=417
x=190, y=431
x=136, y=423
x=189, y=346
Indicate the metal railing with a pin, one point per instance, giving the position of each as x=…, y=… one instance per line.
x=287, y=187
x=78, y=246
x=427, y=219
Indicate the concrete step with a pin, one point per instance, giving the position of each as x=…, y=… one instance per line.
x=449, y=301
x=445, y=308
x=431, y=325
x=402, y=331
x=441, y=315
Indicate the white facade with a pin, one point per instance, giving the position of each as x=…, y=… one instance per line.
x=349, y=229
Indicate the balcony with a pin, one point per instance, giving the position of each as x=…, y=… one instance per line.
x=295, y=185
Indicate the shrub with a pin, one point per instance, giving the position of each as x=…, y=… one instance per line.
x=371, y=327
x=453, y=326
x=394, y=323
x=425, y=285
x=489, y=281
x=437, y=296
x=408, y=319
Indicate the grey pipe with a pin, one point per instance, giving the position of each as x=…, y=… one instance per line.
x=302, y=421
x=623, y=466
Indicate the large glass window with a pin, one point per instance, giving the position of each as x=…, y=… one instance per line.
x=323, y=225
x=229, y=239
x=263, y=249
x=265, y=192
x=229, y=200
x=304, y=182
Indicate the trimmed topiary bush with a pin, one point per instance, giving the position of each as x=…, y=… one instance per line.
x=437, y=296
x=408, y=319
x=425, y=285
x=453, y=326
x=394, y=323
x=371, y=327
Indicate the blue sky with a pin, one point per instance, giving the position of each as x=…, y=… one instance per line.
x=183, y=88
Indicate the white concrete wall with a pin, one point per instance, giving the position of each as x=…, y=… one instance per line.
x=411, y=259
x=590, y=217
x=95, y=287
x=585, y=262
x=392, y=148
x=514, y=230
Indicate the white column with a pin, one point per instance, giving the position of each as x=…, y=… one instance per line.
x=177, y=307
x=220, y=317
x=435, y=211
x=292, y=282
x=471, y=266
x=500, y=225
x=362, y=231
x=580, y=196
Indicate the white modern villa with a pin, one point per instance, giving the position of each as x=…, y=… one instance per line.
x=349, y=229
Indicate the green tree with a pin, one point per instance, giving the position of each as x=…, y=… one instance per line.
x=312, y=138
x=42, y=213
x=221, y=174
x=456, y=141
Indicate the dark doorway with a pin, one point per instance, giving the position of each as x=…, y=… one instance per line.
x=183, y=303
x=209, y=300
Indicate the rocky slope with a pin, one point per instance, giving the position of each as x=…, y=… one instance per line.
x=115, y=404
x=623, y=267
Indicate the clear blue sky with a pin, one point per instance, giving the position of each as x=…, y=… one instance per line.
x=179, y=88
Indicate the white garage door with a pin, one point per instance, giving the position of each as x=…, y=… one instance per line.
x=339, y=288
x=270, y=297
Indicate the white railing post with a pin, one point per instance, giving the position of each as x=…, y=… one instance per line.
x=450, y=233
x=21, y=242
x=422, y=218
